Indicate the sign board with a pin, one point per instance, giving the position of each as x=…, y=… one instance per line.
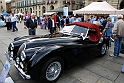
x=65, y=11
x=9, y=80
x=4, y=72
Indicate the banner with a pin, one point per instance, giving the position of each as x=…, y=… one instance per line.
x=65, y=11
x=5, y=72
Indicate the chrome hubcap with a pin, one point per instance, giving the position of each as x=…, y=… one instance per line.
x=53, y=71
x=103, y=49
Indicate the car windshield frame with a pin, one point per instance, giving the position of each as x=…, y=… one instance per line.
x=75, y=30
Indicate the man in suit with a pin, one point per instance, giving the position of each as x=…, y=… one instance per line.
x=57, y=23
x=31, y=24
x=51, y=24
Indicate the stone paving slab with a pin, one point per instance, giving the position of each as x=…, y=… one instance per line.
x=104, y=80
x=85, y=76
x=1, y=66
x=14, y=73
x=103, y=71
x=99, y=61
x=113, y=66
x=120, y=79
x=68, y=79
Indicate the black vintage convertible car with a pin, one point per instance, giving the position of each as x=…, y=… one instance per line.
x=44, y=58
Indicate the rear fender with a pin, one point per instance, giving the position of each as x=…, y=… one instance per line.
x=42, y=53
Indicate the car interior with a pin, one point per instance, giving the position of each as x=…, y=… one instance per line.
x=93, y=35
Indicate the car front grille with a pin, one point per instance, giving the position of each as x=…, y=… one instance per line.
x=10, y=50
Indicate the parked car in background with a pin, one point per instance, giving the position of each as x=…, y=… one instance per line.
x=44, y=58
x=2, y=23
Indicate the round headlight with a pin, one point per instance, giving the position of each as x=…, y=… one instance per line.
x=22, y=47
x=11, y=46
x=23, y=56
x=17, y=60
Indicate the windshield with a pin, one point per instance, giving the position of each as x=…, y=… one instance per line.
x=67, y=29
x=79, y=30
x=74, y=30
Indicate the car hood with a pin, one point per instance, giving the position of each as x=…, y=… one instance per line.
x=51, y=41
x=20, y=40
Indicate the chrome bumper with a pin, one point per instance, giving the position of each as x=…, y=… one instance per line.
x=10, y=59
x=21, y=72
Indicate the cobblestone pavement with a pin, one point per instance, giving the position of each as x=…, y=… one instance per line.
x=99, y=70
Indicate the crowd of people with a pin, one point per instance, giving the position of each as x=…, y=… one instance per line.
x=53, y=23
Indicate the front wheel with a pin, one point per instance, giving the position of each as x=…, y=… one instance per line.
x=103, y=50
x=52, y=70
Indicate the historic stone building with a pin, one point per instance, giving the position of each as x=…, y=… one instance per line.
x=8, y=7
x=41, y=6
x=114, y=3
x=2, y=6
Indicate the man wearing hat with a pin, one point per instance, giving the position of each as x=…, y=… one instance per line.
x=118, y=31
x=31, y=24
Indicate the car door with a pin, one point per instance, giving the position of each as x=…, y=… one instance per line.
x=93, y=50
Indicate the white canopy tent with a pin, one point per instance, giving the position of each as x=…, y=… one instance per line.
x=48, y=13
x=97, y=8
x=20, y=13
x=120, y=11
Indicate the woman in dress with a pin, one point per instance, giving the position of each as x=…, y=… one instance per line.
x=108, y=28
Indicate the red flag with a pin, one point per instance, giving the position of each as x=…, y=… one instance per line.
x=54, y=1
x=68, y=1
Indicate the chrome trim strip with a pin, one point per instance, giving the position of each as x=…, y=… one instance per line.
x=8, y=58
x=22, y=73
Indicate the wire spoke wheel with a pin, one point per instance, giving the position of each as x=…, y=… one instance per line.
x=53, y=71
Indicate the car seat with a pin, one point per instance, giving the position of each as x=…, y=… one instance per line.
x=93, y=37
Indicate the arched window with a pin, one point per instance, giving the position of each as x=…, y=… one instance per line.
x=51, y=7
x=43, y=9
x=30, y=10
x=21, y=10
x=122, y=4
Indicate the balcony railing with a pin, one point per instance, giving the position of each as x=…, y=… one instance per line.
x=43, y=2
x=12, y=0
x=34, y=3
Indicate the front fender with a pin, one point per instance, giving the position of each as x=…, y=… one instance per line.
x=42, y=53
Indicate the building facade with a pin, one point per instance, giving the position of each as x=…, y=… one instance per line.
x=8, y=7
x=41, y=6
x=2, y=6
x=114, y=3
